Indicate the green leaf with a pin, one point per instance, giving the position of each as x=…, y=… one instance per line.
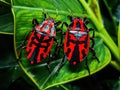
x=6, y=18
x=24, y=11
x=95, y=8
x=46, y=80
x=8, y=64
x=6, y=24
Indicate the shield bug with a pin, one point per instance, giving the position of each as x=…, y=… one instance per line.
x=77, y=41
x=38, y=42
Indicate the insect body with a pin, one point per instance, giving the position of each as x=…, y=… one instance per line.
x=77, y=41
x=40, y=41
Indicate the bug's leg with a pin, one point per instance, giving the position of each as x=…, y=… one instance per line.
x=92, y=38
x=61, y=64
x=58, y=23
x=70, y=17
x=86, y=21
x=26, y=38
x=48, y=62
x=56, y=49
x=92, y=47
x=45, y=15
x=91, y=29
x=94, y=54
x=35, y=22
x=20, y=54
x=86, y=63
x=64, y=23
x=85, y=18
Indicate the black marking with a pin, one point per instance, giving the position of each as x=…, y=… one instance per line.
x=71, y=24
x=77, y=25
x=38, y=46
x=68, y=39
x=33, y=56
x=68, y=51
x=75, y=55
x=41, y=56
x=83, y=53
x=86, y=42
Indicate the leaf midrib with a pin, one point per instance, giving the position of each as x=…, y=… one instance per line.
x=61, y=12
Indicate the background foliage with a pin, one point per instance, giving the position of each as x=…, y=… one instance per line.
x=103, y=13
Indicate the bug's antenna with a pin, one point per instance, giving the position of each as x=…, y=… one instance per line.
x=45, y=13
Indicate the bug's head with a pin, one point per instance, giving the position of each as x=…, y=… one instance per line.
x=47, y=27
x=49, y=20
x=77, y=24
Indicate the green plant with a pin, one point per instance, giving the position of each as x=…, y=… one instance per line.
x=24, y=11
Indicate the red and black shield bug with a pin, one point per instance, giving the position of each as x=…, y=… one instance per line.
x=39, y=41
x=77, y=41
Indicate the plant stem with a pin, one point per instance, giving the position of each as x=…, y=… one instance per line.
x=103, y=33
x=115, y=64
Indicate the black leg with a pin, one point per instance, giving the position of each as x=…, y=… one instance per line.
x=34, y=22
x=45, y=15
x=94, y=54
x=48, y=62
x=61, y=64
x=84, y=18
x=92, y=38
x=87, y=21
x=91, y=29
x=20, y=54
x=58, y=46
x=92, y=47
x=26, y=38
x=64, y=23
x=93, y=42
x=58, y=23
x=70, y=17
x=87, y=65
x=56, y=49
